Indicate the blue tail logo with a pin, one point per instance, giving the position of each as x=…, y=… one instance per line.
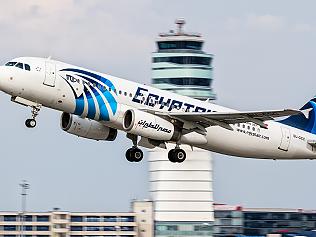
x=97, y=92
x=304, y=121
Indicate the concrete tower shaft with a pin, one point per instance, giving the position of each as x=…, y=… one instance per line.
x=182, y=193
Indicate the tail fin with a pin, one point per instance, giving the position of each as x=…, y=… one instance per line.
x=306, y=120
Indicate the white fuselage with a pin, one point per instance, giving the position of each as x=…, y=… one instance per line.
x=67, y=88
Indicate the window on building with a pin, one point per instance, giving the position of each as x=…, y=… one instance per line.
x=76, y=218
x=110, y=219
x=9, y=218
x=42, y=228
x=163, y=45
x=172, y=227
x=223, y=214
x=127, y=228
x=127, y=219
x=295, y=216
x=42, y=218
x=28, y=218
x=76, y=228
x=184, y=60
x=92, y=218
x=93, y=228
x=109, y=228
x=183, y=81
x=203, y=228
x=9, y=227
x=28, y=227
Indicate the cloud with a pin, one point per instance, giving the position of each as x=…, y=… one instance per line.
x=303, y=27
x=266, y=22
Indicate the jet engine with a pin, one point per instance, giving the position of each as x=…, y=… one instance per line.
x=86, y=128
x=150, y=126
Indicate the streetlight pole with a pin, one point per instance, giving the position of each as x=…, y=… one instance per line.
x=25, y=186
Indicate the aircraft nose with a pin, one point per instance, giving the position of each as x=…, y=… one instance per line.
x=3, y=77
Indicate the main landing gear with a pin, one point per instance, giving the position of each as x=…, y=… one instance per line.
x=177, y=155
x=134, y=154
x=31, y=123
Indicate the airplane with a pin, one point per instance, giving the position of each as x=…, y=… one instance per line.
x=96, y=106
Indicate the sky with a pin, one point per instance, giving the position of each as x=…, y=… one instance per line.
x=264, y=56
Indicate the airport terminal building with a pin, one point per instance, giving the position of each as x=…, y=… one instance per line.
x=59, y=223
x=139, y=222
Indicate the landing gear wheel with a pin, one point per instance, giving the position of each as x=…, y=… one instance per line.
x=128, y=155
x=171, y=156
x=137, y=154
x=134, y=154
x=30, y=123
x=177, y=155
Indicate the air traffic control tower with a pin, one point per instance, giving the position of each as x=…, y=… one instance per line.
x=182, y=193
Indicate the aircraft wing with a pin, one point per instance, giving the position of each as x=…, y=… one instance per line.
x=224, y=119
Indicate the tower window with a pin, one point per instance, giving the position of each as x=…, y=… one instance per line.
x=183, y=81
x=184, y=60
x=195, y=45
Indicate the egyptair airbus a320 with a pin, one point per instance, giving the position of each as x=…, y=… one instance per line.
x=96, y=105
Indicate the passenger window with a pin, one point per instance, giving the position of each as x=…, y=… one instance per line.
x=27, y=67
x=109, y=88
x=243, y=126
x=130, y=95
x=248, y=127
x=19, y=65
x=120, y=92
x=253, y=129
x=125, y=93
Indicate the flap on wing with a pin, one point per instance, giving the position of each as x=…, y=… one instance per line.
x=223, y=119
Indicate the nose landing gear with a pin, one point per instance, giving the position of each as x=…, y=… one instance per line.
x=31, y=123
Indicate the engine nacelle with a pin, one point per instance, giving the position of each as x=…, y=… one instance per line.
x=149, y=125
x=86, y=128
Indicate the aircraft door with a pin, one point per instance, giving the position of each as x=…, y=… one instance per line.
x=286, y=139
x=50, y=74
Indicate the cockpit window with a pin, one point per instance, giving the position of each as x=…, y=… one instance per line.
x=27, y=67
x=19, y=65
x=10, y=64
